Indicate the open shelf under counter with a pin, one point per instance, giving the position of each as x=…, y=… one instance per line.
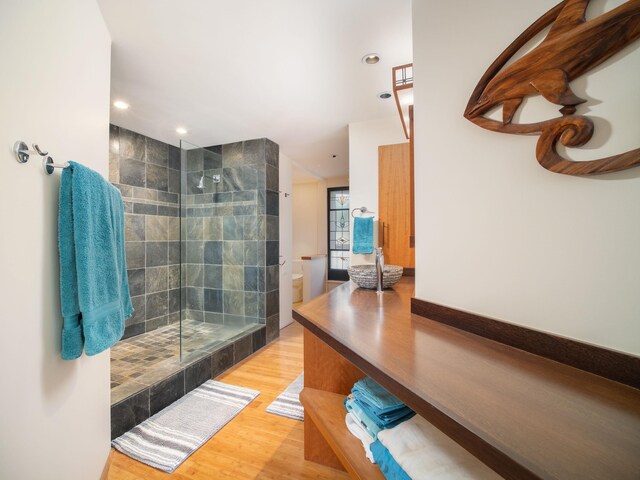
x=525, y=416
x=327, y=411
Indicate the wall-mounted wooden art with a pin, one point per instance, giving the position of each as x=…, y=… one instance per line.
x=572, y=47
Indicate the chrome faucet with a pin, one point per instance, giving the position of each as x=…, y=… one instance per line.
x=379, y=267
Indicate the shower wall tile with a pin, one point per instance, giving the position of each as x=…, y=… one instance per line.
x=156, y=279
x=273, y=227
x=197, y=373
x=129, y=412
x=233, y=302
x=272, y=252
x=213, y=300
x=211, y=160
x=232, y=154
x=273, y=327
x=250, y=279
x=174, y=300
x=132, y=145
x=157, y=322
x=156, y=227
x=272, y=178
x=213, y=253
x=132, y=172
x=254, y=152
x=157, y=305
x=156, y=152
x=232, y=228
x=150, y=187
x=136, y=281
x=134, y=227
x=242, y=348
x=272, y=153
x=173, y=181
x=133, y=330
x=221, y=360
x=157, y=254
x=259, y=339
x=139, y=311
x=272, y=277
x=213, y=276
x=174, y=158
x=273, y=202
x=233, y=253
x=135, y=252
x=166, y=392
x=157, y=177
x=145, y=208
x=233, y=277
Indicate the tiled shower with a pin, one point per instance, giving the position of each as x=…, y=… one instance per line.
x=201, y=231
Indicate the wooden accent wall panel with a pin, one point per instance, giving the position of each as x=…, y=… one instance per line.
x=395, y=180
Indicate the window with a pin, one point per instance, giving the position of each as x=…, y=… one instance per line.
x=339, y=238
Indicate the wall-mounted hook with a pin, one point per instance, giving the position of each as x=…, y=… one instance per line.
x=285, y=193
x=22, y=152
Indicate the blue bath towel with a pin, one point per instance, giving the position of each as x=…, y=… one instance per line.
x=363, y=235
x=94, y=289
x=390, y=468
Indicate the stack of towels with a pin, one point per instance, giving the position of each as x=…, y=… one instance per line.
x=404, y=445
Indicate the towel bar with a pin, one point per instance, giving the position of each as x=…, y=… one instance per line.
x=363, y=210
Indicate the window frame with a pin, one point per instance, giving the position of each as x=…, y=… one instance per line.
x=335, y=273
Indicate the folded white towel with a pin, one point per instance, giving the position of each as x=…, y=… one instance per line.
x=358, y=431
x=423, y=452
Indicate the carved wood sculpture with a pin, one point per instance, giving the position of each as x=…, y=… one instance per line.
x=572, y=47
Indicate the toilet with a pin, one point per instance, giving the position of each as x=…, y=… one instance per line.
x=296, y=280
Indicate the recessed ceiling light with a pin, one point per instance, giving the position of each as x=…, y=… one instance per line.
x=384, y=95
x=371, y=58
x=181, y=131
x=120, y=105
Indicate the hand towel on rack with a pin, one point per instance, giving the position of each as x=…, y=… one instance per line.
x=94, y=289
x=363, y=235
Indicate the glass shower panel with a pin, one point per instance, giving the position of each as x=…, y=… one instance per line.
x=217, y=261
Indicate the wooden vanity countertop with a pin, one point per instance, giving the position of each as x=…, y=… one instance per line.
x=530, y=416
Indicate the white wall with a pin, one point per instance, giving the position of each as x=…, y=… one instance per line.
x=54, y=414
x=364, y=140
x=310, y=215
x=498, y=235
x=286, y=238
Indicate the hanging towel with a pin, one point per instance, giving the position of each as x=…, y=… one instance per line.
x=94, y=289
x=363, y=235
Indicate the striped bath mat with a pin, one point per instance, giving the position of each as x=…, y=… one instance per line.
x=166, y=439
x=288, y=404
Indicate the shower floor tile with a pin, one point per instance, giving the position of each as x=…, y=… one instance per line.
x=139, y=362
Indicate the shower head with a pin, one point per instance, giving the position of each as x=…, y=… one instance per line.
x=215, y=178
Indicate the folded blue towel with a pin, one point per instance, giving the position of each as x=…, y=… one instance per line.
x=375, y=395
x=94, y=289
x=365, y=420
x=385, y=420
x=363, y=235
x=388, y=465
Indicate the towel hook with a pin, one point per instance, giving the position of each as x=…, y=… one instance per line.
x=22, y=152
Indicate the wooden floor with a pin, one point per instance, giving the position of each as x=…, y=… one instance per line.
x=255, y=444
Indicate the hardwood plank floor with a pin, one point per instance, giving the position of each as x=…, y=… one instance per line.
x=255, y=444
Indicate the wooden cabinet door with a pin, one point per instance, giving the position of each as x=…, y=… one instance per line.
x=395, y=184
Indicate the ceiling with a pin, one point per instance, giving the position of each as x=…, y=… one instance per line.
x=289, y=70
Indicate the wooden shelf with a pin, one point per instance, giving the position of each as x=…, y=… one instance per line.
x=327, y=411
x=525, y=416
